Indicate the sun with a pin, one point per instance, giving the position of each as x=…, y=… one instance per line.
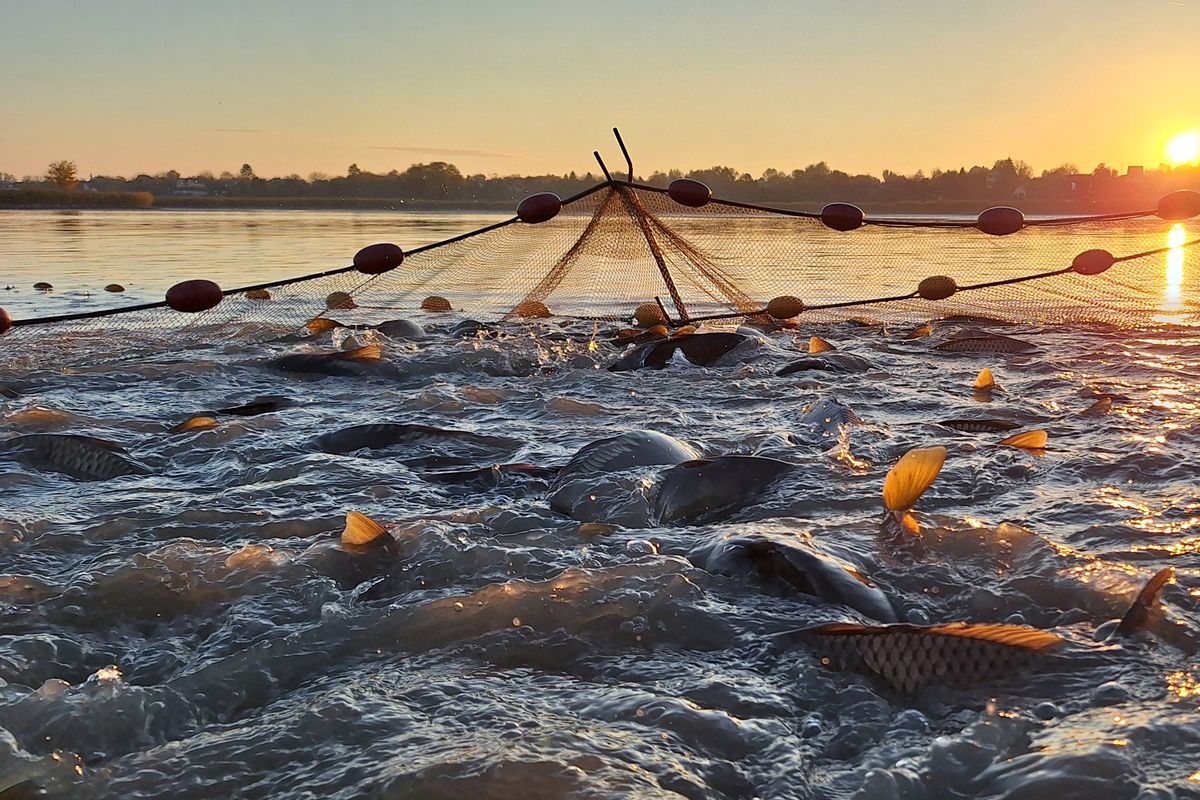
x=1184, y=148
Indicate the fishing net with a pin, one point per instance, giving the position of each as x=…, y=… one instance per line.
x=620, y=245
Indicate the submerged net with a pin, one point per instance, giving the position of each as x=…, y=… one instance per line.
x=620, y=245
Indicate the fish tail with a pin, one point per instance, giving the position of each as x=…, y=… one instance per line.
x=912, y=475
x=1139, y=611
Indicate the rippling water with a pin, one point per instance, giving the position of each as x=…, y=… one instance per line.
x=197, y=632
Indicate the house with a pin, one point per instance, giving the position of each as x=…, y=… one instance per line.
x=189, y=187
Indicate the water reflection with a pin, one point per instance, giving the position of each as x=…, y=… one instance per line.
x=1173, y=284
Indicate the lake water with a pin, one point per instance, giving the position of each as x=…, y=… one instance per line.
x=196, y=631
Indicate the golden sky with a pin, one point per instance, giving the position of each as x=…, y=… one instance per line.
x=124, y=86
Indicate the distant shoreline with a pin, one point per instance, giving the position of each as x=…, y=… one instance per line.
x=45, y=200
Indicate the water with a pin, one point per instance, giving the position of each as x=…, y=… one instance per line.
x=197, y=632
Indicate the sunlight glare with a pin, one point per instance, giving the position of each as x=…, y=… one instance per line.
x=1183, y=148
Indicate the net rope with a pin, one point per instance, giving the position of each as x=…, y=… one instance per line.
x=621, y=244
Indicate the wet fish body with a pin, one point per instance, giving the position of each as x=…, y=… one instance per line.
x=384, y=434
x=828, y=416
x=827, y=361
x=707, y=488
x=259, y=405
x=980, y=425
x=361, y=361
x=627, y=451
x=798, y=565
x=82, y=457
x=491, y=476
x=702, y=349
x=400, y=329
x=911, y=657
x=992, y=343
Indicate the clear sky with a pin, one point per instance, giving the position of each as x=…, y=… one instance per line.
x=297, y=86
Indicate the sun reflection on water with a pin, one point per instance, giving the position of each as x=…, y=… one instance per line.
x=1173, y=283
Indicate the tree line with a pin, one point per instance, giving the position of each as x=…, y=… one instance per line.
x=1006, y=180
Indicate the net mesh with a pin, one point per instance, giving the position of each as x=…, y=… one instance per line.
x=620, y=245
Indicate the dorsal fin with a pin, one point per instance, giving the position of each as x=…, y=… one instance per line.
x=686, y=330
x=1139, y=611
x=984, y=382
x=1098, y=408
x=818, y=345
x=1022, y=636
x=361, y=530
x=694, y=463
x=1028, y=440
x=912, y=475
x=368, y=352
x=194, y=424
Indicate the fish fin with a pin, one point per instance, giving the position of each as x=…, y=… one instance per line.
x=686, y=330
x=912, y=475
x=1139, y=611
x=1027, y=440
x=1098, y=408
x=197, y=423
x=985, y=382
x=694, y=463
x=818, y=345
x=368, y=352
x=361, y=530
x=1021, y=636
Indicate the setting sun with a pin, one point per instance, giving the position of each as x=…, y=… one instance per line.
x=1184, y=148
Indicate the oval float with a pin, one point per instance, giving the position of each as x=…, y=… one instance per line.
x=375, y=259
x=194, y=296
x=539, y=208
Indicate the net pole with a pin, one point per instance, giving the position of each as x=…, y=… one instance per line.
x=635, y=209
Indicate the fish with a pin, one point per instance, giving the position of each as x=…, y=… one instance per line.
x=828, y=416
x=9, y=392
x=629, y=450
x=903, y=486
x=626, y=451
x=400, y=329
x=799, y=565
x=259, y=405
x=491, y=476
x=351, y=363
x=385, y=434
x=1027, y=440
x=984, y=425
x=991, y=343
x=702, y=349
x=470, y=329
x=830, y=361
x=706, y=488
x=86, y=458
x=957, y=654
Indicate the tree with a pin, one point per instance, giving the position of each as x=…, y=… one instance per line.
x=246, y=173
x=352, y=170
x=62, y=175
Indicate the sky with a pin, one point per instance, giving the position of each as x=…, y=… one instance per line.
x=129, y=86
